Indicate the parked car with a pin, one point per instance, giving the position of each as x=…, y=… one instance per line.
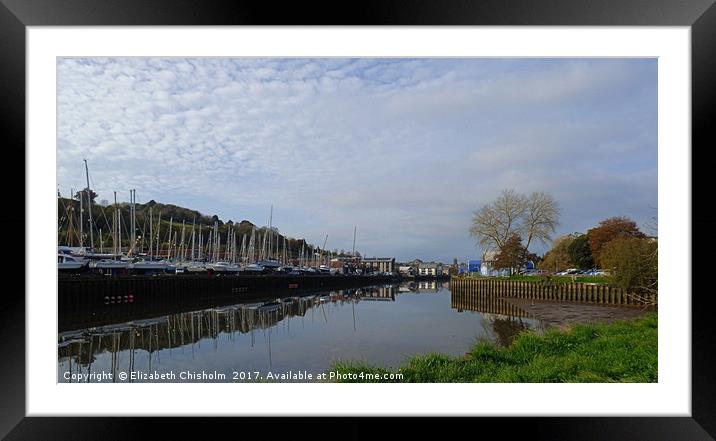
x=597, y=272
x=568, y=272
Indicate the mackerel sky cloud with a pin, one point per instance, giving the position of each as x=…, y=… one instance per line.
x=406, y=149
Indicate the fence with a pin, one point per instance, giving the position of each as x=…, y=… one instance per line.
x=567, y=292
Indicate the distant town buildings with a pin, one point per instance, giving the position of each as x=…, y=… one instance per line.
x=429, y=269
x=380, y=264
x=406, y=270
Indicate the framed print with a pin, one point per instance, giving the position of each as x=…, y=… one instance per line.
x=457, y=207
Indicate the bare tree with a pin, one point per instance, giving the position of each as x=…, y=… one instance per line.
x=494, y=223
x=540, y=217
x=531, y=217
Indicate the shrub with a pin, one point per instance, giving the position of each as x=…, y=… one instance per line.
x=633, y=262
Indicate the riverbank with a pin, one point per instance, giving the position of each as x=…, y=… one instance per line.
x=623, y=351
x=555, y=280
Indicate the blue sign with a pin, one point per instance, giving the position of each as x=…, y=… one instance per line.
x=473, y=266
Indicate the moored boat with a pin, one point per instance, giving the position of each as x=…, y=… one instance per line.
x=223, y=267
x=110, y=264
x=254, y=268
x=66, y=262
x=195, y=267
x=149, y=265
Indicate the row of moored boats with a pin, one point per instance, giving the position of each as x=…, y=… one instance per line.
x=76, y=260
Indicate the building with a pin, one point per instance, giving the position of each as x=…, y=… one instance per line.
x=379, y=264
x=345, y=264
x=428, y=269
x=406, y=270
x=473, y=266
x=428, y=286
x=486, y=265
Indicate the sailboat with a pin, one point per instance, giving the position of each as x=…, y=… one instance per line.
x=268, y=262
x=252, y=267
x=67, y=262
x=223, y=267
x=118, y=261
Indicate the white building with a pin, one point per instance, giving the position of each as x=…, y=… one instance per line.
x=486, y=266
x=428, y=269
x=405, y=270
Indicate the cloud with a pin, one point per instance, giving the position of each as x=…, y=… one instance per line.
x=404, y=148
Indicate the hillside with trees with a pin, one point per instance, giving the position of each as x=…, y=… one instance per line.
x=162, y=216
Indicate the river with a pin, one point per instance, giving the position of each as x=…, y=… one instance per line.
x=295, y=338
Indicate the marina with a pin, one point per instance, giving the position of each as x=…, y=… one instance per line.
x=339, y=224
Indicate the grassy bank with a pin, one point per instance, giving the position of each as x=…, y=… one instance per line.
x=617, y=352
x=552, y=279
x=561, y=279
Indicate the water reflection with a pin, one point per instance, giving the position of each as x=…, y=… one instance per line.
x=380, y=324
x=503, y=319
x=507, y=328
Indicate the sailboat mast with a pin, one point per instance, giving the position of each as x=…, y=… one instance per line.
x=151, y=231
x=169, y=248
x=270, y=231
x=89, y=206
x=285, y=253
x=158, y=237
x=216, y=242
x=200, y=252
x=119, y=229
x=114, y=227
x=355, y=229
x=182, y=248
x=134, y=220
x=82, y=226
x=324, y=247
x=193, y=239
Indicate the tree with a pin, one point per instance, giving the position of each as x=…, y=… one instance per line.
x=93, y=195
x=534, y=217
x=558, y=258
x=633, y=263
x=608, y=230
x=540, y=218
x=513, y=254
x=580, y=253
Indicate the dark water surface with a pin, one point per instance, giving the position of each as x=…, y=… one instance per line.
x=293, y=338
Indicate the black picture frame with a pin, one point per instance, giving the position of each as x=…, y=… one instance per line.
x=700, y=15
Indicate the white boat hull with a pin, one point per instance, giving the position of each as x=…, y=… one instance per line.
x=149, y=266
x=70, y=265
x=223, y=268
x=196, y=268
x=253, y=268
x=109, y=264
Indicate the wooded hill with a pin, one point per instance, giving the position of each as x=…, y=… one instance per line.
x=68, y=217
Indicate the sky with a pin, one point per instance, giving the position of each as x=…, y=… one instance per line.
x=404, y=149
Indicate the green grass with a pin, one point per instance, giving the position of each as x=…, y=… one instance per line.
x=604, y=353
x=554, y=279
x=561, y=279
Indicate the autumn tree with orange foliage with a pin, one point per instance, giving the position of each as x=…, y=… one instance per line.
x=608, y=230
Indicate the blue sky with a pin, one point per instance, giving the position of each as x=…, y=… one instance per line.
x=406, y=149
